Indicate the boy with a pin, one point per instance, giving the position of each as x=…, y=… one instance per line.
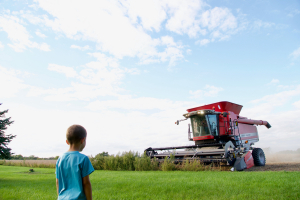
x=73, y=168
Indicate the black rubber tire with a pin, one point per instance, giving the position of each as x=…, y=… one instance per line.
x=259, y=157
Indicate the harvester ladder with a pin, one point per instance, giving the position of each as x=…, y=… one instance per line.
x=235, y=122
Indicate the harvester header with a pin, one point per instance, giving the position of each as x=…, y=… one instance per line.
x=220, y=126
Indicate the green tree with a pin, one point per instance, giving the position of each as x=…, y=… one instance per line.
x=5, y=152
x=104, y=154
x=17, y=157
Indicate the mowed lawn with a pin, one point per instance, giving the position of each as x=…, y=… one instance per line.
x=18, y=183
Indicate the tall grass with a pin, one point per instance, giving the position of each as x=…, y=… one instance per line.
x=168, y=164
x=144, y=163
x=126, y=161
x=24, y=163
x=132, y=161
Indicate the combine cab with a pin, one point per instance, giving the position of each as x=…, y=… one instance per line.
x=221, y=135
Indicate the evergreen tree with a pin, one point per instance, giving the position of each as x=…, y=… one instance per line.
x=5, y=139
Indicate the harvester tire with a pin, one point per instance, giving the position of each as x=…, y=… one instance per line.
x=259, y=157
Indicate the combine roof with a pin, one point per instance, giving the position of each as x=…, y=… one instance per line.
x=221, y=106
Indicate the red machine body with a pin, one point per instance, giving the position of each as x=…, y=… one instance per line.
x=229, y=125
x=249, y=160
x=220, y=135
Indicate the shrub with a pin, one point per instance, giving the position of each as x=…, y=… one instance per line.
x=168, y=164
x=132, y=161
x=143, y=163
x=124, y=161
x=192, y=165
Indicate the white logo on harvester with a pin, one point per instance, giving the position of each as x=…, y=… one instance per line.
x=248, y=134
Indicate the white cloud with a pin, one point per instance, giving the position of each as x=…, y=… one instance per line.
x=135, y=130
x=273, y=82
x=218, y=18
x=68, y=71
x=142, y=103
x=286, y=87
x=94, y=79
x=43, y=46
x=297, y=104
x=168, y=40
x=281, y=122
x=115, y=35
x=38, y=33
x=18, y=34
x=171, y=53
x=208, y=91
x=10, y=83
x=86, y=47
x=279, y=98
x=277, y=110
x=203, y=42
x=1, y=45
x=183, y=17
x=294, y=12
x=151, y=13
x=124, y=32
x=295, y=53
x=269, y=102
x=261, y=24
x=133, y=71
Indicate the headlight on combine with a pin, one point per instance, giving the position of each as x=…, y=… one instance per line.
x=200, y=112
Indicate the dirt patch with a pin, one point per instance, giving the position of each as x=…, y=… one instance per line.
x=287, y=166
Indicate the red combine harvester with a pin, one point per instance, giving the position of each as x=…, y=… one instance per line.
x=221, y=135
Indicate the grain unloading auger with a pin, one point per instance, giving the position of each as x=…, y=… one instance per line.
x=221, y=135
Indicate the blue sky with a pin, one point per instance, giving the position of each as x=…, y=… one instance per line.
x=127, y=70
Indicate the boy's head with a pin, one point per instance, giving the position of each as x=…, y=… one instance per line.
x=75, y=134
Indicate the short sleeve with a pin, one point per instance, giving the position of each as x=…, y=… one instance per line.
x=56, y=168
x=87, y=167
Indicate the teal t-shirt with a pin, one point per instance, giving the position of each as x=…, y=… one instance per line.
x=71, y=167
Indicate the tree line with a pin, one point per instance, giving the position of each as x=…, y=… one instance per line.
x=32, y=157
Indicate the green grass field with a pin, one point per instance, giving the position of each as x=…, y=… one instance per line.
x=19, y=183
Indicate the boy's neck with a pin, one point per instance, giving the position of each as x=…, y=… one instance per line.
x=74, y=148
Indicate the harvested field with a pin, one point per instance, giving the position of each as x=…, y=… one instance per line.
x=30, y=163
x=287, y=166
x=279, y=162
x=46, y=162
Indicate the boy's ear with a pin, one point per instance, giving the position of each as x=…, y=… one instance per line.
x=82, y=140
x=67, y=142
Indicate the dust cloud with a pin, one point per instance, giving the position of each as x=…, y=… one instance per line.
x=282, y=156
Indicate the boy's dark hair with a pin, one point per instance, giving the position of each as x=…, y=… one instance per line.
x=75, y=133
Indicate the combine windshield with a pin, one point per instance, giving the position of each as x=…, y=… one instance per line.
x=203, y=125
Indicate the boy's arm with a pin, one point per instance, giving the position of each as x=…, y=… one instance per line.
x=57, y=186
x=87, y=187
